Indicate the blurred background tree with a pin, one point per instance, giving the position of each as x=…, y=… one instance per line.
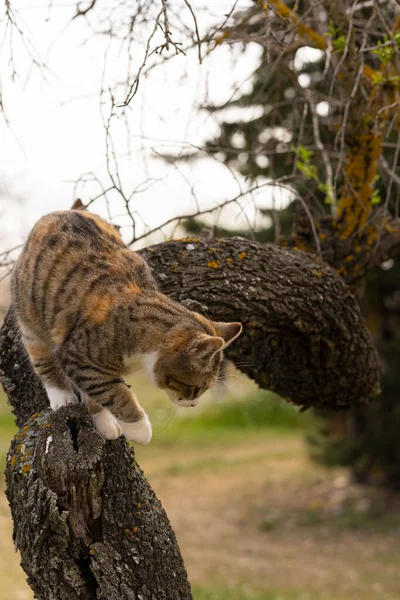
x=322, y=116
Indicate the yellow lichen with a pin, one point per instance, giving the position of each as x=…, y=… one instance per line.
x=13, y=461
x=26, y=468
x=229, y=261
x=242, y=255
x=317, y=273
x=349, y=258
x=315, y=39
x=214, y=264
x=174, y=264
x=188, y=239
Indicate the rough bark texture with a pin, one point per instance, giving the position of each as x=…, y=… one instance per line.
x=86, y=522
x=304, y=336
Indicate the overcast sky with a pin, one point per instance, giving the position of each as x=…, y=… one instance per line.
x=57, y=134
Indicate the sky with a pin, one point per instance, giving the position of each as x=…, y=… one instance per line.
x=55, y=132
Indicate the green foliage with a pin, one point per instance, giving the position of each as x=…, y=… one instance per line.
x=376, y=197
x=310, y=171
x=339, y=43
x=259, y=410
x=385, y=50
x=220, y=422
x=338, y=40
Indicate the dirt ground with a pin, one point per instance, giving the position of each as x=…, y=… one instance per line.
x=252, y=521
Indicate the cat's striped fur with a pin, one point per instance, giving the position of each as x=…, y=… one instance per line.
x=86, y=305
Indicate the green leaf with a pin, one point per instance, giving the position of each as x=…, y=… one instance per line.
x=339, y=43
x=376, y=198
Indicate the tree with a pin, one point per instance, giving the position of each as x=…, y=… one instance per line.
x=86, y=522
x=303, y=329
x=326, y=92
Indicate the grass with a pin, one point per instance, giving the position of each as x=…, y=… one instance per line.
x=200, y=593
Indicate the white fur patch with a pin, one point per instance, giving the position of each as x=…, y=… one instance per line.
x=149, y=360
x=139, y=432
x=106, y=424
x=59, y=398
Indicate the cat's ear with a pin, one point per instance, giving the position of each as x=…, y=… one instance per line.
x=228, y=331
x=206, y=345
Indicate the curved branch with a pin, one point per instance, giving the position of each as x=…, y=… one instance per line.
x=304, y=336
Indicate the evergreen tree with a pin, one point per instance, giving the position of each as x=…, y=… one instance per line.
x=309, y=135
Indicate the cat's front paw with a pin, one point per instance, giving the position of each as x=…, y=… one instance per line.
x=106, y=424
x=59, y=398
x=139, y=431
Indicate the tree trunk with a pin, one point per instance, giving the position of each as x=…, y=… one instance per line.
x=86, y=521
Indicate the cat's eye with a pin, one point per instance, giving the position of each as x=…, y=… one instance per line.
x=171, y=379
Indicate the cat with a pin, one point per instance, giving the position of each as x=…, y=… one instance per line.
x=87, y=306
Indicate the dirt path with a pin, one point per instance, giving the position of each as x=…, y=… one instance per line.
x=247, y=522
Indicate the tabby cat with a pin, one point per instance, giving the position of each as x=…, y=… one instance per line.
x=87, y=306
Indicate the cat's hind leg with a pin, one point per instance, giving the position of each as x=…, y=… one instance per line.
x=58, y=388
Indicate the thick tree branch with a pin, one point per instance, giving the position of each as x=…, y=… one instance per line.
x=304, y=336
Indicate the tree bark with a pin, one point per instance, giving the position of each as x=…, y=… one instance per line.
x=304, y=336
x=86, y=521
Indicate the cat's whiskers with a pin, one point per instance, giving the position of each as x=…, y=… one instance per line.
x=162, y=418
x=244, y=364
x=172, y=418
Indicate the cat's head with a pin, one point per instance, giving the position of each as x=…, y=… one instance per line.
x=189, y=361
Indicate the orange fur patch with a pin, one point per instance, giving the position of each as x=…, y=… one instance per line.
x=58, y=334
x=37, y=351
x=179, y=339
x=98, y=308
x=132, y=289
